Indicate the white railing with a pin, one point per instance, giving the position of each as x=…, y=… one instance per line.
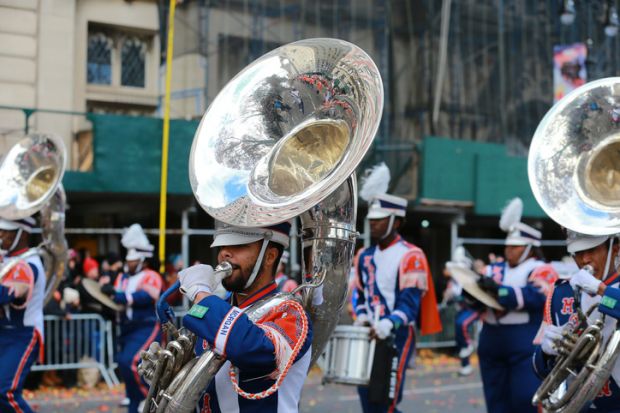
x=79, y=341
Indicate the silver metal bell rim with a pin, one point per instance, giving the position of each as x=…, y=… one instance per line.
x=286, y=132
x=30, y=173
x=574, y=159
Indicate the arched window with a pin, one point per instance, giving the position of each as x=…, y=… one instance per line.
x=133, y=54
x=99, y=59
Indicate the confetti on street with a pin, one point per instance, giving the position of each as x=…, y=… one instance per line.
x=433, y=386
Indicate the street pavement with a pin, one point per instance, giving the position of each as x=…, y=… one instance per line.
x=433, y=386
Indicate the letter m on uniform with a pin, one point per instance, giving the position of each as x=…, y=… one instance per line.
x=567, y=305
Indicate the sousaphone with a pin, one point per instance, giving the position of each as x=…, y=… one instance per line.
x=574, y=172
x=281, y=140
x=30, y=182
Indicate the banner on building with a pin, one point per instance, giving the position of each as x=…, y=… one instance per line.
x=569, y=68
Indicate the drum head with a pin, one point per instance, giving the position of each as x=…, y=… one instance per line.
x=93, y=288
x=468, y=280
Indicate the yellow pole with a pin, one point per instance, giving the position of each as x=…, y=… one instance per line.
x=164, y=145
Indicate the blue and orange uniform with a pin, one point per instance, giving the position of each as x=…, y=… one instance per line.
x=507, y=337
x=396, y=282
x=21, y=329
x=465, y=318
x=278, y=343
x=560, y=309
x=139, y=327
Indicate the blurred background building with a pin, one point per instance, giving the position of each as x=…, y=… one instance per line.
x=466, y=84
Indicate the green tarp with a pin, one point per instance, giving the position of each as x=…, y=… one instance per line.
x=127, y=156
x=482, y=174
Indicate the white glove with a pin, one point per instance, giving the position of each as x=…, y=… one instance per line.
x=361, y=320
x=552, y=336
x=586, y=281
x=384, y=328
x=70, y=296
x=199, y=279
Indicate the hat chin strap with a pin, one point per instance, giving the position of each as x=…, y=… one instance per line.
x=389, y=228
x=138, y=268
x=608, y=261
x=525, y=254
x=259, y=262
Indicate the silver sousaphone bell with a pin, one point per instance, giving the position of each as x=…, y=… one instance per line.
x=30, y=182
x=574, y=172
x=281, y=140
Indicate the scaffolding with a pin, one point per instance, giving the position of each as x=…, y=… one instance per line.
x=493, y=83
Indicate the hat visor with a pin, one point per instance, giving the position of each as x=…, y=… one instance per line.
x=234, y=239
x=583, y=244
x=8, y=225
x=521, y=242
x=133, y=255
x=378, y=214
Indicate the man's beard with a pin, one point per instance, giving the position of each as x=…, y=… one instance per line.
x=237, y=284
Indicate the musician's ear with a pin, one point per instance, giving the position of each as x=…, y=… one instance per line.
x=271, y=255
x=398, y=222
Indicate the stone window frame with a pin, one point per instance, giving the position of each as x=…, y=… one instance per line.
x=118, y=36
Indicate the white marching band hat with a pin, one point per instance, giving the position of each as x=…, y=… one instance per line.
x=26, y=224
x=576, y=241
x=137, y=244
x=374, y=191
x=518, y=232
x=461, y=257
x=385, y=205
x=231, y=235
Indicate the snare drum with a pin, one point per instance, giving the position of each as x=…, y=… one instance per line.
x=348, y=355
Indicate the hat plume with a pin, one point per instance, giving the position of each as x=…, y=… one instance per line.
x=375, y=182
x=511, y=214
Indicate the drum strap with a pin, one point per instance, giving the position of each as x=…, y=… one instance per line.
x=382, y=387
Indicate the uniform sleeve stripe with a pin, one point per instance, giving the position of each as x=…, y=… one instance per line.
x=223, y=332
x=519, y=297
x=361, y=309
x=402, y=315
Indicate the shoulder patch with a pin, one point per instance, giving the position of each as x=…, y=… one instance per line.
x=20, y=273
x=413, y=272
x=608, y=302
x=198, y=311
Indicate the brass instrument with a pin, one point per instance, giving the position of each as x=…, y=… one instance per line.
x=574, y=172
x=30, y=180
x=281, y=140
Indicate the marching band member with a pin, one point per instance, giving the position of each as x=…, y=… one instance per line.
x=138, y=289
x=601, y=286
x=520, y=284
x=21, y=313
x=394, y=283
x=273, y=354
x=466, y=315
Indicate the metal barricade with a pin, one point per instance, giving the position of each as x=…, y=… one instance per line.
x=445, y=338
x=80, y=341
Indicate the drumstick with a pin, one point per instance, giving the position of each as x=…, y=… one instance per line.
x=376, y=318
x=373, y=345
